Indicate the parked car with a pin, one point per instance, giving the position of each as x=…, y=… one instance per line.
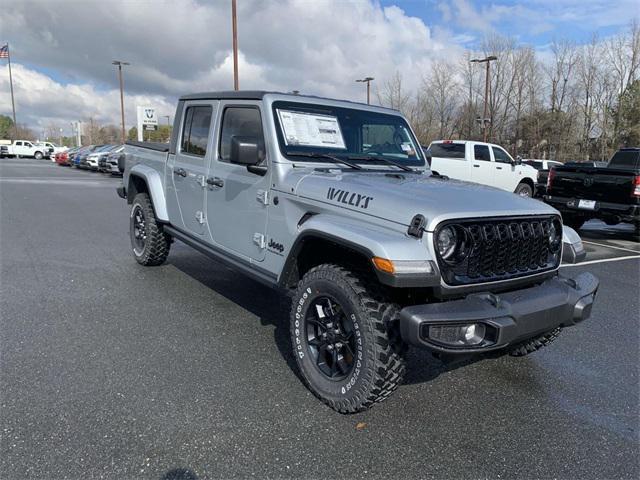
x=483, y=163
x=115, y=160
x=51, y=149
x=543, y=167
x=93, y=159
x=103, y=161
x=611, y=194
x=80, y=160
x=333, y=202
x=64, y=157
x=26, y=148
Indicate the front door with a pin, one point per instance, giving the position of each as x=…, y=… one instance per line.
x=505, y=171
x=236, y=198
x=482, y=170
x=189, y=167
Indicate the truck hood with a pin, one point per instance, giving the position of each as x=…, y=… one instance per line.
x=398, y=197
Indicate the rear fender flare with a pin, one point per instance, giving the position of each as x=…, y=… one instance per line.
x=155, y=187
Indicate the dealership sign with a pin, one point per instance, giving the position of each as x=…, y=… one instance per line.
x=147, y=120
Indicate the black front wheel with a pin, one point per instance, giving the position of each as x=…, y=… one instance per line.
x=344, y=339
x=149, y=243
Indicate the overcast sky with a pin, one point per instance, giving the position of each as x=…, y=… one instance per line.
x=61, y=50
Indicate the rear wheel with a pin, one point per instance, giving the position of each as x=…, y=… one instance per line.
x=344, y=339
x=149, y=244
x=38, y=155
x=524, y=190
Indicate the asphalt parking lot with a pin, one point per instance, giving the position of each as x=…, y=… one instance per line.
x=112, y=370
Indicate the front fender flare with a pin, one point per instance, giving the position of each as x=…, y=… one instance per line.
x=366, y=238
x=155, y=186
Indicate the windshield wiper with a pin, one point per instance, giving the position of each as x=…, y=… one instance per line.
x=327, y=157
x=385, y=160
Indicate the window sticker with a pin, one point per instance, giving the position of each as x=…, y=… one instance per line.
x=310, y=129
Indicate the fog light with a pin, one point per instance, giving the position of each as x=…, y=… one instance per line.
x=458, y=335
x=473, y=334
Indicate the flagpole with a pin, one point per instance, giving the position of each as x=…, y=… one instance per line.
x=13, y=103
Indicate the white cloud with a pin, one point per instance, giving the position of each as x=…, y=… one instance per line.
x=318, y=47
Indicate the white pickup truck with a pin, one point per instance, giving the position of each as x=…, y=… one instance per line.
x=483, y=163
x=25, y=148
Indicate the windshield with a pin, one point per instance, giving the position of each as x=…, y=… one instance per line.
x=345, y=133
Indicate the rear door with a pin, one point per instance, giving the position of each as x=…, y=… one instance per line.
x=20, y=149
x=236, y=198
x=482, y=170
x=189, y=166
x=449, y=158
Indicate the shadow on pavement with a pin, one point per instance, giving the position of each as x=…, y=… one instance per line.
x=272, y=308
x=179, y=474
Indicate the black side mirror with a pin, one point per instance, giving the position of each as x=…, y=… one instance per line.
x=245, y=150
x=121, y=160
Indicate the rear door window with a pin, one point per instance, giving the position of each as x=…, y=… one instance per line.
x=447, y=150
x=481, y=152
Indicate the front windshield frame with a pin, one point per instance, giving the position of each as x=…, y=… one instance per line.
x=340, y=112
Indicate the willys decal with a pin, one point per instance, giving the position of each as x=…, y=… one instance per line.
x=349, y=198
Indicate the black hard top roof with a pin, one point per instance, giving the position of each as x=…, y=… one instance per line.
x=227, y=94
x=259, y=95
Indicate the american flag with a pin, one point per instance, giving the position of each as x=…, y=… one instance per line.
x=4, y=51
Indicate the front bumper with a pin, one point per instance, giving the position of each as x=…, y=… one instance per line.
x=509, y=318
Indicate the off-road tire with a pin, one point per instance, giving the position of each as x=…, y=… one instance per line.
x=524, y=190
x=534, y=344
x=573, y=221
x=38, y=155
x=157, y=243
x=380, y=366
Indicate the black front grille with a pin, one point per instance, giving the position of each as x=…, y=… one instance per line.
x=501, y=248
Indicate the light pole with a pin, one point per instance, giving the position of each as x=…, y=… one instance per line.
x=234, y=28
x=61, y=137
x=119, y=65
x=486, y=60
x=367, y=80
x=168, y=126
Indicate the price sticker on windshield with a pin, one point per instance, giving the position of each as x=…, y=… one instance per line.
x=310, y=129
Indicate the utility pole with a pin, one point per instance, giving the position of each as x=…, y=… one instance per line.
x=234, y=28
x=368, y=81
x=119, y=64
x=4, y=53
x=485, y=120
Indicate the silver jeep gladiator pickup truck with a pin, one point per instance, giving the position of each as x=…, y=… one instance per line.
x=333, y=202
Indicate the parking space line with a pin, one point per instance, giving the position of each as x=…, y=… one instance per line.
x=610, y=246
x=602, y=260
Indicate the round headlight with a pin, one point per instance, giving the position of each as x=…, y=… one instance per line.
x=446, y=242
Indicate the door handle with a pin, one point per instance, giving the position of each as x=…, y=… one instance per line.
x=215, y=182
x=476, y=165
x=498, y=168
x=181, y=172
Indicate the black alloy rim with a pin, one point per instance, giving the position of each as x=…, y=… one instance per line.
x=330, y=338
x=139, y=229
